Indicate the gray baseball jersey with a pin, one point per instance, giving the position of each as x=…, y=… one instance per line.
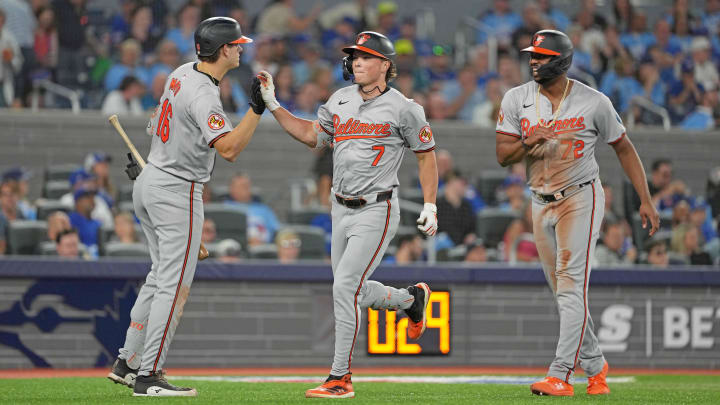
x=566, y=230
x=587, y=115
x=370, y=138
x=186, y=123
x=167, y=198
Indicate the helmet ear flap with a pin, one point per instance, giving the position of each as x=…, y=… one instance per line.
x=347, y=67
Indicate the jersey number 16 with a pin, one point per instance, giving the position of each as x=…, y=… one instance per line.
x=163, y=127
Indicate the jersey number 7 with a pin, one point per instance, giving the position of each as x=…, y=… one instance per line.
x=163, y=128
x=381, y=150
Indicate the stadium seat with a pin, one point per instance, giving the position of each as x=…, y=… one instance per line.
x=492, y=223
x=264, y=251
x=54, y=189
x=312, y=238
x=488, y=183
x=24, y=237
x=47, y=207
x=60, y=172
x=230, y=222
x=305, y=216
x=119, y=249
x=47, y=248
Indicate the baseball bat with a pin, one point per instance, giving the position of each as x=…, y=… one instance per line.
x=203, y=254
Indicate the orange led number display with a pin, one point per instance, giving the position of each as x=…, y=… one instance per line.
x=388, y=335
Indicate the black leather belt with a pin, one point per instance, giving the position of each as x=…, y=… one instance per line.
x=357, y=202
x=548, y=198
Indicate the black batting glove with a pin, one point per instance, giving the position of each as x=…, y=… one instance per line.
x=256, y=101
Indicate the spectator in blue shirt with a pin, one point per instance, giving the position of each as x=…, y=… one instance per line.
x=711, y=17
x=684, y=94
x=21, y=176
x=620, y=85
x=654, y=89
x=129, y=64
x=668, y=49
x=80, y=219
x=501, y=22
x=184, y=35
x=9, y=212
x=637, y=39
x=463, y=94
x=701, y=119
x=554, y=14
x=310, y=59
x=261, y=220
x=167, y=58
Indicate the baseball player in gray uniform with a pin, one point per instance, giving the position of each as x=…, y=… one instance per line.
x=554, y=123
x=369, y=125
x=185, y=127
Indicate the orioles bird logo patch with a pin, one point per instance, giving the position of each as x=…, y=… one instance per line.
x=425, y=134
x=362, y=38
x=538, y=40
x=216, y=121
x=501, y=117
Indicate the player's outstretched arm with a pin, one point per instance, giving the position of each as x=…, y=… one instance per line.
x=300, y=129
x=633, y=167
x=230, y=145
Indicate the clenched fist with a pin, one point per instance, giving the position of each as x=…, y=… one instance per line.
x=267, y=89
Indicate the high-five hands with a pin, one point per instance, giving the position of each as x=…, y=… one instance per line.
x=267, y=89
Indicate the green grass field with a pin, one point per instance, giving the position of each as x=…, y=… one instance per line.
x=75, y=391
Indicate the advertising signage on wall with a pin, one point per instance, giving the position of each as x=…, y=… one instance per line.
x=387, y=333
x=670, y=327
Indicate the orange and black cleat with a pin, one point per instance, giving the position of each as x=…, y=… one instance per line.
x=333, y=387
x=552, y=386
x=418, y=311
x=597, y=384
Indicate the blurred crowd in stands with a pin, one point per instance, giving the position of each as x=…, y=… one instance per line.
x=118, y=54
x=119, y=58
x=484, y=218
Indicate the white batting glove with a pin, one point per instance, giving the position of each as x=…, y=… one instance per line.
x=427, y=222
x=267, y=89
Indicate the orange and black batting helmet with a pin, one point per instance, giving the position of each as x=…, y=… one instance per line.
x=558, y=46
x=215, y=32
x=370, y=42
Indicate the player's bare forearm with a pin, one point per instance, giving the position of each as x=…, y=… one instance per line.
x=428, y=174
x=230, y=146
x=300, y=129
x=633, y=167
x=508, y=149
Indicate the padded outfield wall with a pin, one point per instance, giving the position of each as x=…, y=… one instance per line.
x=73, y=314
x=272, y=158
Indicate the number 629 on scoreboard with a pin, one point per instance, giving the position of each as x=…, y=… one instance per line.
x=386, y=334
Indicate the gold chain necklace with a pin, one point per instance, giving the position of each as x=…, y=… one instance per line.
x=537, y=105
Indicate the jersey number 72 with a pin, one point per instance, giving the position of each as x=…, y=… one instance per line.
x=163, y=127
